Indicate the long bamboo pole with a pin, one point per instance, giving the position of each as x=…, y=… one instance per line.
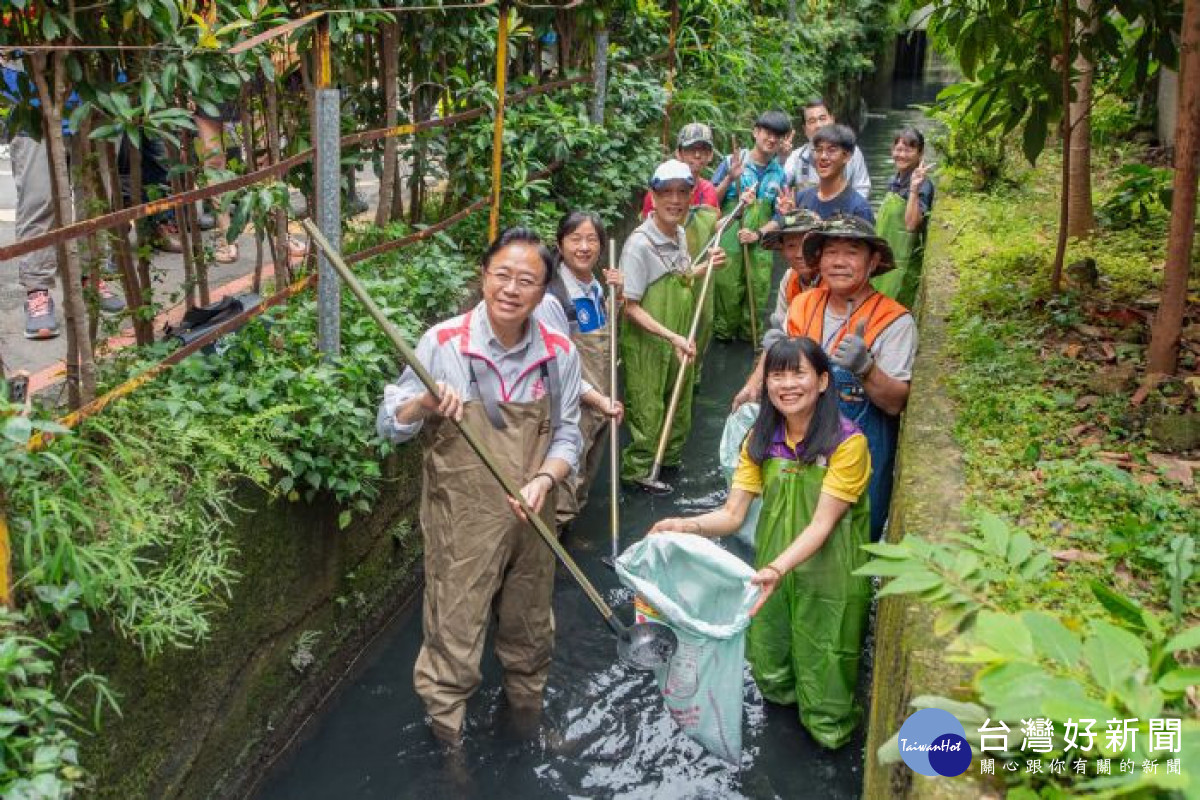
x=614, y=430
x=751, y=301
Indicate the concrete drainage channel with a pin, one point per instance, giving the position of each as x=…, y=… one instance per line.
x=280, y=704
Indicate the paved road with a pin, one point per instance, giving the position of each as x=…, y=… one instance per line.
x=34, y=356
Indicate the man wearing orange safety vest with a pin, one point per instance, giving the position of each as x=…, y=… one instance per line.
x=870, y=338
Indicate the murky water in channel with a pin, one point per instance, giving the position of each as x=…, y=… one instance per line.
x=604, y=732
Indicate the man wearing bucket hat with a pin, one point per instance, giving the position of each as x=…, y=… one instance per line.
x=870, y=338
x=659, y=305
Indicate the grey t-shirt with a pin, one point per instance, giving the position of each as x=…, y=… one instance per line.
x=894, y=349
x=649, y=254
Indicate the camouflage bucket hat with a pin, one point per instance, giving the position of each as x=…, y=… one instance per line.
x=799, y=221
x=845, y=226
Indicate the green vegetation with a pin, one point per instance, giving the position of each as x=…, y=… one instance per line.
x=123, y=521
x=1074, y=596
x=736, y=59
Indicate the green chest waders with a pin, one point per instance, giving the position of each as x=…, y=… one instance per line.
x=650, y=368
x=902, y=283
x=805, y=642
x=731, y=304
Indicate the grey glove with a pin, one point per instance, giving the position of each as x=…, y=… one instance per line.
x=853, y=354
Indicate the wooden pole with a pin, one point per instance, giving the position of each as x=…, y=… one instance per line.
x=5, y=562
x=498, y=128
x=614, y=430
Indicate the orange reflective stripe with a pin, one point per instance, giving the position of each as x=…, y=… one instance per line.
x=806, y=316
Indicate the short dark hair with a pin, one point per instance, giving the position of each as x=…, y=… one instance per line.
x=815, y=102
x=520, y=235
x=774, y=121
x=571, y=222
x=824, y=429
x=911, y=137
x=836, y=134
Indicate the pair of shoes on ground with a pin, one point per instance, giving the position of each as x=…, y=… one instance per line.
x=41, y=322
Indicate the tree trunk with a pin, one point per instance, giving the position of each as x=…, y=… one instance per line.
x=791, y=27
x=1081, y=219
x=81, y=361
x=1060, y=250
x=142, y=260
x=283, y=261
x=119, y=244
x=416, y=180
x=86, y=195
x=389, y=56
x=189, y=229
x=1163, y=354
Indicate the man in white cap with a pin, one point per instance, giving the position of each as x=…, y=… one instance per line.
x=659, y=304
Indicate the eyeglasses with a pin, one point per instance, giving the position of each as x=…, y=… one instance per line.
x=524, y=283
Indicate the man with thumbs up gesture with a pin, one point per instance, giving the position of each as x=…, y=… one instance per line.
x=870, y=339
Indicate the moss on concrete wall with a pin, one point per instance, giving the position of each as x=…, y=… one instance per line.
x=909, y=658
x=201, y=723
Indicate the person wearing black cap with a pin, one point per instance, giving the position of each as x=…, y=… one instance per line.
x=870, y=338
x=756, y=176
